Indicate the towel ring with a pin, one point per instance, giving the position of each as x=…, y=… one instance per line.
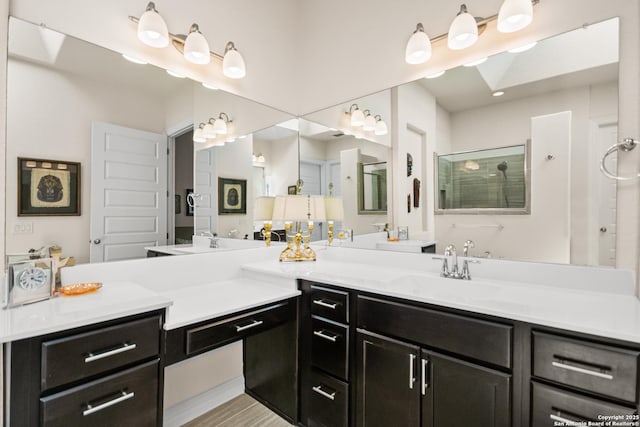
x=626, y=145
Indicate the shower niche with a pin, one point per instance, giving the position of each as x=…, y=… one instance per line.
x=486, y=181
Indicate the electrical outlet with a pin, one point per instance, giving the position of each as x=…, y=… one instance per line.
x=23, y=228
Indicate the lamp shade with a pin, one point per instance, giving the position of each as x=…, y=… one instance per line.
x=196, y=47
x=381, y=128
x=514, y=15
x=263, y=210
x=209, y=131
x=152, y=30
x=369, y=123
x=418, y=49
x=198, y=135
x=463, y=31
x=220, y=126
x=233, y=64
x=333, y=208
x=299, y=208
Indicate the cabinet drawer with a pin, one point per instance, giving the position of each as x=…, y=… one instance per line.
x=328, y=401
x=330, y=304
x=598, y=368
x=551, y=405
x=129, y=398
x=330, y=347
x=479, y=339
x=215, y=334
x=73, y=358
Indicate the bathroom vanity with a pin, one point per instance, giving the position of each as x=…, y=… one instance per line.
x=357, y=338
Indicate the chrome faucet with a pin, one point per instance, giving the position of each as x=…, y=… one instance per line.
x=450, y=251
x=468, y=245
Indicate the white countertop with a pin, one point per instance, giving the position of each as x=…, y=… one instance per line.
x=611, y=315
x=202, y=302
x=404, y=245
x=112, y=301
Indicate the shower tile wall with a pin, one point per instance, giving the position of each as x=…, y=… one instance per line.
x=480, y=184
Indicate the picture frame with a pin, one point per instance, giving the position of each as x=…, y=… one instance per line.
x=292, y=189
x=189, y=208
x=29, y=281
x=48, y=187
x=232, y=196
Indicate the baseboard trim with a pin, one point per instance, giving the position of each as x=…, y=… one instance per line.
x=187, y=410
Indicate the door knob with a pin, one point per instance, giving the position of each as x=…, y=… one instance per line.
x=97, y=241
x=603, y=229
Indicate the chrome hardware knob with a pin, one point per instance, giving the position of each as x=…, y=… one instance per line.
x=603, y=229
x=97, y=241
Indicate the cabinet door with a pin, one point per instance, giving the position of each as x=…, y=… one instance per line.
x=388, y=390
x=457, y=393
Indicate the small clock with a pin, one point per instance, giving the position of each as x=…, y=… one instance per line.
x=29, y=281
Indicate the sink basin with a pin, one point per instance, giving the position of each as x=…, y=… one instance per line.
x=440, y=287
x=200, y=249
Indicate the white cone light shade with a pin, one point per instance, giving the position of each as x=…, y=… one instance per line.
x=514, y=15
x=233, y=65
x=463, y=32
x=196, y=48
x=198, y=136
x=369, y=123
x=209, y=131
x=220, y=126
x=357, y=118
x=418, y=49
x=381, y=128
x=152, y=30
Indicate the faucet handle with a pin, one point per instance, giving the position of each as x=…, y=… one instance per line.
x=468, y=245
x=450, y=249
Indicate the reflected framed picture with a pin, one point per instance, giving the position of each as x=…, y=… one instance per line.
x=189, y=206
x=292, y=189
x=48, y=187
x=232, y=196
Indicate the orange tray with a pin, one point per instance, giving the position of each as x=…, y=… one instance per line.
x=79, y=288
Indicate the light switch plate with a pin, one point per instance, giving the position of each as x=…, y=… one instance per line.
x=23, y=227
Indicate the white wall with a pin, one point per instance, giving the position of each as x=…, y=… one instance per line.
x=36, y=133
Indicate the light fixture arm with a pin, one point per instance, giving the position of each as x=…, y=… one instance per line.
x=378, y=117
x=225, y=118
x=151, y=7
x=366, y=112
x=351, y=108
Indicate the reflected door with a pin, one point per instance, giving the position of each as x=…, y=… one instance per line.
x=311, y=176
x=128, y=192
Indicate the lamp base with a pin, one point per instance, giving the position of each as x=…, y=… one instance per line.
x=297, y=254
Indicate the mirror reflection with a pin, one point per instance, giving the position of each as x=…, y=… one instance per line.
x=494, y=180
x=372, y=187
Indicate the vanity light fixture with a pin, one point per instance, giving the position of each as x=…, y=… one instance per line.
x=233, y=63
x=369, y=121
x=198, y=135
x=357, y=116
x=381, y=126
x=418, y=49
x=152, y=30
x=231, y=131
x=220, y=124
x=258, y=159
x=465, y=29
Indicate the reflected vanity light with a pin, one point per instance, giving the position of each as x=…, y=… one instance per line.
x=371, y=125
x=523, y=48
x=498, y=93
x=134, y=59
x=198, y=135
x=369, y=121
x=465, y=29
x=357, y=116
x=152, y=31
x=381, y=126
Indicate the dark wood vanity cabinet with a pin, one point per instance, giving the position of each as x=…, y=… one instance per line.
x=100, y=375
x=413, y=383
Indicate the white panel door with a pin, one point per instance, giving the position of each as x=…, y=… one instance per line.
x=205, y=217
x=607, y=136
x=128, y=192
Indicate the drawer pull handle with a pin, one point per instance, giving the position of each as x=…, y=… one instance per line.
x=93, y=357
x=565, y=421
x=323, y=335
x=582, y=370
x=425, y=384
x=325, y=304
x=249, y=326
x=318, y=389
x=92, y=409
x=412, y=358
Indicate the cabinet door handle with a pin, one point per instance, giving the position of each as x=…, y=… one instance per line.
x=582, y=370
x=121, y=398
x=323, y=335
x=412, y=359
x=93, y=357
x=325, y=304
x=425, y=384
x=253, y=324
x=565, y=421
x=318, y=389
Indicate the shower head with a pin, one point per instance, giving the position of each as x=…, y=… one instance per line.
x=502, y=167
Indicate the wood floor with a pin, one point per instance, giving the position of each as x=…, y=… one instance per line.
x=243, y=411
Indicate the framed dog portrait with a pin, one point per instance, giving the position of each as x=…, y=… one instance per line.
x=232, y=196
x=48, y=187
